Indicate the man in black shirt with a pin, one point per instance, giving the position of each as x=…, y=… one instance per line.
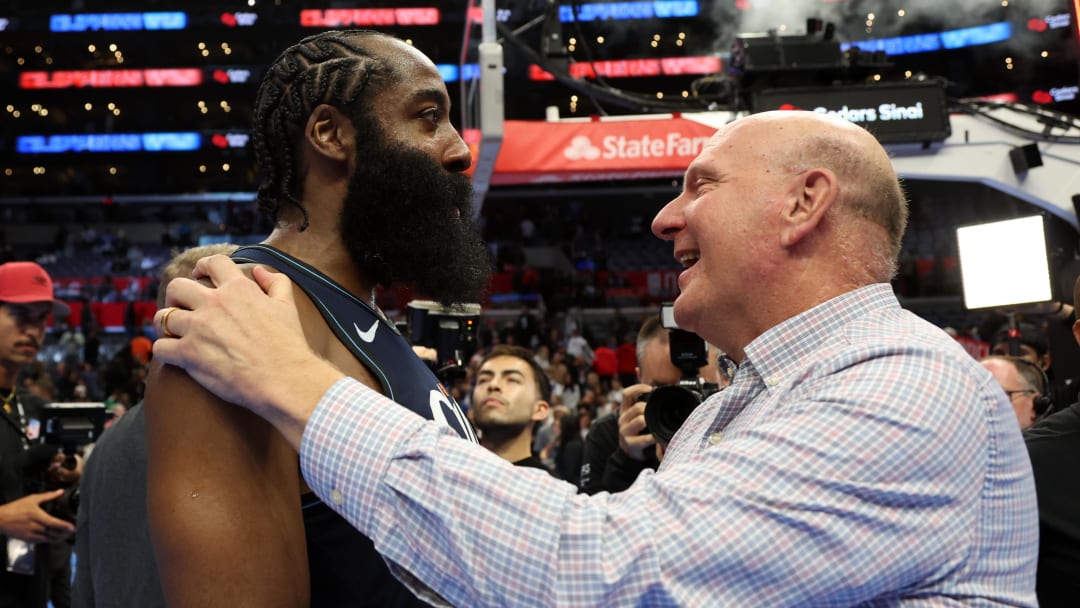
x=511, y=396
x=26, y=529
x=1054, y=446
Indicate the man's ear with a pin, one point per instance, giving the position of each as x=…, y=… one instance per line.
x=813, y=195
x=540, y=412
x=330, y=133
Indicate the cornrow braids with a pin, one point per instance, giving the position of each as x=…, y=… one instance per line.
x=333, y=67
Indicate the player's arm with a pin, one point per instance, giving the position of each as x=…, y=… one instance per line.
x=223, y=500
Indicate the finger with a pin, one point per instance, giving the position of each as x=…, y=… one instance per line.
x=36, y=537
x=641, y=441
x=45, y=497
x=275, y=284
x=218, y=268
x=168, y=351
x=57, y=527
x=633, y=426
x=182, y=293
x=635, y=410
x=632, y=394
x=177, y=325
x=54, y=535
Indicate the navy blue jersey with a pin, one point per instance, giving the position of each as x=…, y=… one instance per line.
x=344, y=567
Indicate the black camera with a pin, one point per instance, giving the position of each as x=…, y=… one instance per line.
x=451, y=331
x=71, y=426
x=675, y=403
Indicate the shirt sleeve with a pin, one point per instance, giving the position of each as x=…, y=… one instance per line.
x=805, y=509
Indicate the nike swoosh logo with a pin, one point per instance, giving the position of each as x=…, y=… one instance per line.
x=369, y=335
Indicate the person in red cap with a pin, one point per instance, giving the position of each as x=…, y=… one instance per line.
x=26, y=301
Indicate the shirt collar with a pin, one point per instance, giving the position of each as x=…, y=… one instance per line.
x=781, y=348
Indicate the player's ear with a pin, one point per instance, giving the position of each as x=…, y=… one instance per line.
x=330, y=133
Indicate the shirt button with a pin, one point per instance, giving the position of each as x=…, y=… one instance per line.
x=336, y=497
x=715, y=438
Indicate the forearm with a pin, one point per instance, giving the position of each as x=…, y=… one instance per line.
x=289, y=407
x=698, y=534
x=357, y=454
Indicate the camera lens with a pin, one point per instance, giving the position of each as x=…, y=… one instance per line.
x=667, y=409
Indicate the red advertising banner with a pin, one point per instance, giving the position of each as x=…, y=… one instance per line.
x=63, y=79
x=544, y=152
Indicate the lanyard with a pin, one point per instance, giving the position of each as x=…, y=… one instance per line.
x=21, y=427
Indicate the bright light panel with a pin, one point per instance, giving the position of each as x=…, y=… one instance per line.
x=1004, y=263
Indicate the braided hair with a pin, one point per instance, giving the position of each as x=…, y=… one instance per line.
x=333, y=67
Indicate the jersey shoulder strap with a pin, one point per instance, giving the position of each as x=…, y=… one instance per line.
x=375, y=342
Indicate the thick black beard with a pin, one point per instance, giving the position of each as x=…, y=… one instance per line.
x=407, y=220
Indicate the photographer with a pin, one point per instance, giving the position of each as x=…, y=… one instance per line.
x=26, y=465
x=618, y=447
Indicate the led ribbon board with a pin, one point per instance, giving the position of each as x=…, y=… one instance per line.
x=368, y=17
x=925, y=43
x=633, y=68
x=630, y=10
x=114, y=22
x=894, y=113
x=109, y=142
x=134, y=78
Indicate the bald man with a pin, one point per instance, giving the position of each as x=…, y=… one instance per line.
x=860, y=456
x=1022, y=383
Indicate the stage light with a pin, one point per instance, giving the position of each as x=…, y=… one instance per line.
x=1004, y=263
